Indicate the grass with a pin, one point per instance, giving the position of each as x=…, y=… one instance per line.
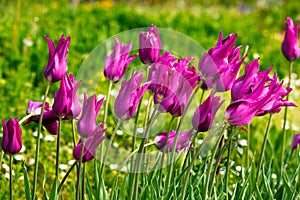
x=24, y=53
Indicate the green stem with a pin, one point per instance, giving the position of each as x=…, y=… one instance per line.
x=79, y=172
x=263, y=147
x=38, y=141
x=228, y=166
x=65, y=177
x=82, y=182
x=107, y=102
x=218, y=162
x=284, y=123
x=58, y=147
x=170, y=171
x=164, y=150
x=74, y=132
x=10, y=178
x=201, y=98
x=108, y=148
x=248, y=145
x=190, y=166
x=131, y=176
x=141, y=150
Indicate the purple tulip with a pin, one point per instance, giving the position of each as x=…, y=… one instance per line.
x=172, y=81
x=255, y=94
x=220, y=65
x=12, y=136
x=290, y=46
x=66, y=102
x=117, y=62
x=296, y=141
x=90, y=145
x=183, y=142
x=57, y=67
x=129, y=96
x=150, y=45
x=50, y=119
x=87, y=124
x=204, y=115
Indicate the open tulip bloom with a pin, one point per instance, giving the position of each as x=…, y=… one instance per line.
x=220, y=65
x=50, y=119
x=57, y=67
x=255, y=94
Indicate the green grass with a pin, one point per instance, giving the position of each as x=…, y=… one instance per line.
x=24, y=53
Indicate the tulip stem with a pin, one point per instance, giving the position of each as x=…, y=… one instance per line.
x=82, y=182
x=25, y=118
x=170, y=171
x=131, y=176
x=218, y=161
x=79, y=172
x=74, y=132
x=228, y=164
x=65, y=177
x=284, y=123
x=248, y=145
x=58, y=147
x=107, y=101
x=38, y=141
x=164, y=150
x=108, y=147
x=10, y=178
x=263, y=148
x=141, y=150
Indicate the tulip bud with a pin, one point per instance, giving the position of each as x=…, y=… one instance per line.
x=66, y=102
x=12, y=136
x=150, y=45
x=204, y=115
x=117, y=62
x=290, y=46
x=57, y=67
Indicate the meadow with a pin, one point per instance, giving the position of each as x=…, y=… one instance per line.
x=24, y=54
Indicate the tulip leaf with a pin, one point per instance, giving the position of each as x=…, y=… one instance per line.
x=88, y=188
x=26, y=182
x=53, y=195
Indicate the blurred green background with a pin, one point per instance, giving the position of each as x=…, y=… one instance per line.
x=24, y=51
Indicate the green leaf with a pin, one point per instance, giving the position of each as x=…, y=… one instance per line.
x=26, y=182
x=102, y=192
x=53, y=195
x=88, y=188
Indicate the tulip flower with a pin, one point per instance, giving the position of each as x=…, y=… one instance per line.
x=290, y=46
x=57, y=67
x=66, y=102
x=220, y=65
x=204, y=115
x=150, y=45
x=255, y=94
x=117, y=62
x=90, y=145
x=50, y=119
x=296, y=141
x=183, y=142
x=172, y=81
x=87, y=124
x=129, y=96
x=12, y=136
